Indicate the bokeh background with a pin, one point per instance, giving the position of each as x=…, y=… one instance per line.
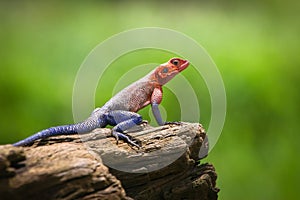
x=254, y=44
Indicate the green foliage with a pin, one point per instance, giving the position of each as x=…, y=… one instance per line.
x=255, y=46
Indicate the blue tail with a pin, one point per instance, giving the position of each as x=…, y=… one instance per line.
x=85, y=126
x=58, y=130
x=96, y=120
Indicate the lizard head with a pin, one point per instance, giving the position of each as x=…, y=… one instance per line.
x=165, y=72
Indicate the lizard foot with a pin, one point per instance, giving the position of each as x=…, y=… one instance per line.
x=124, y=137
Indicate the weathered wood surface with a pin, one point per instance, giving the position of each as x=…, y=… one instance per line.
x=92, y=166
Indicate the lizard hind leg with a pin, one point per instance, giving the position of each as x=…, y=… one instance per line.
x=123, y=120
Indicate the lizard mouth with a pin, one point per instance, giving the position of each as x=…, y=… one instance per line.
x=184, y=65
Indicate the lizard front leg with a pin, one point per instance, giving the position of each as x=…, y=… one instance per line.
x=123, y=120
x=156, y=113
x=156, y=98
x=155, y=101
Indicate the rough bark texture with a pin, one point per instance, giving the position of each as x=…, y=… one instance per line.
x=92, y=166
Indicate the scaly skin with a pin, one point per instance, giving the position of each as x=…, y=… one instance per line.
x=120, y=110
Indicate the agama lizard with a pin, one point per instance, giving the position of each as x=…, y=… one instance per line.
x=120, y=110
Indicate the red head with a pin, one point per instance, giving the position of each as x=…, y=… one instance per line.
x=165, y=72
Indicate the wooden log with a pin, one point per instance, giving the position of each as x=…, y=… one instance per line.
x=93, y=166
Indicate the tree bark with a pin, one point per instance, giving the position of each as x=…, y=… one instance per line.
x=93, y=166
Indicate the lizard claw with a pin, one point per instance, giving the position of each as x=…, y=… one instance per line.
x=173, y=123
x=144, y=122
x=115, y=135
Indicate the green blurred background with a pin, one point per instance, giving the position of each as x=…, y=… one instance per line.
x=255, y=46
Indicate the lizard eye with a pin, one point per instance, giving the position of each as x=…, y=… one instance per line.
x=175, y=62
x=165, y=70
